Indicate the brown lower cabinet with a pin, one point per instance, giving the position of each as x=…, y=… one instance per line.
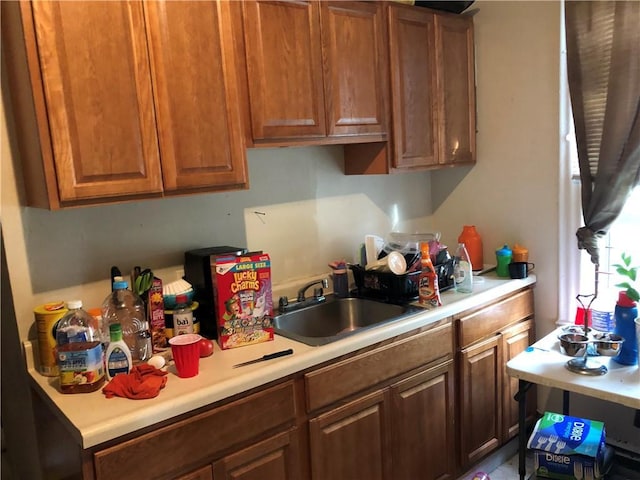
x=489, y=337
x=391, y=411
x=405, y=431
x=275, y=458
x=423, y=425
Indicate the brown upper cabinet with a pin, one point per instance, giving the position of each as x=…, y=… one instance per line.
x=123, y=100
x=197, y=100
x=317, y=72
x=128, y=100
x=432, y=95
x=456, y=89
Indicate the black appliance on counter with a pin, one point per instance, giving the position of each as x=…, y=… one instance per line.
x=199, y=271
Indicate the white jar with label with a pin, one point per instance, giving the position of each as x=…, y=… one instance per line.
x=182, y=316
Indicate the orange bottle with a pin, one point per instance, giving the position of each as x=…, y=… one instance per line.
x=472, y=241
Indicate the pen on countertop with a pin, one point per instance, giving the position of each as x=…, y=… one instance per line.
x=531, y=349
x=270, y=356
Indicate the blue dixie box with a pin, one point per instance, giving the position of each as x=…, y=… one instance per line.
x=569, y=448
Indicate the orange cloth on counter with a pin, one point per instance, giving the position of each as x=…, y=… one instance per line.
x=144, y=381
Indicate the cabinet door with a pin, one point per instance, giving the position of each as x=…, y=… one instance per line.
x=204, y=473
x=413, y=87
x=276, y=458
x=515, y=340
x=456, y=84
x=350, y=441
x=195, y=76
x=97, y=86
x=284, y=69
x=422, y=422
x=355, y=51
x=480, y=399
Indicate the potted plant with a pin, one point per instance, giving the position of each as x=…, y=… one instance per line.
x=626, y=311
x=625, y=270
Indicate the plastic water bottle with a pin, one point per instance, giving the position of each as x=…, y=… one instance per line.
x=79, y=352
x=602, y=312
x=77, y=325
x=462, y=270
x=126, y=308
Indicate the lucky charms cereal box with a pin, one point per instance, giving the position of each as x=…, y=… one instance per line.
x=243, y=300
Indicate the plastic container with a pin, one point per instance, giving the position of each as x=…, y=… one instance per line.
x=519, y=253
x=126, y=308
x=81, y=366
x=168, y=320
x=118, y=357
x=408, y=244
x=340, y=281
x=473, y=243
x=626, y=312
x=76, y=325
x=47, y=317
x=79, y=352
x=144, y=345
x=393, y=262
x=428, y=291
x=182, y=316
x=503, y=259
x=186, y=354
x=603, y=312
x=462, y=270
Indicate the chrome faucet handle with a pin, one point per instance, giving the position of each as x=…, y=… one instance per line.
x=283, y=302
x=317, y=292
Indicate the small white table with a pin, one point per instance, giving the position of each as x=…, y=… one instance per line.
x=544, y=364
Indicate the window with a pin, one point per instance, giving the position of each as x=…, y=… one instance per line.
x=622, y=237
x=576, y=270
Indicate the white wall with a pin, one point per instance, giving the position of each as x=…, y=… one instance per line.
x=511, y=195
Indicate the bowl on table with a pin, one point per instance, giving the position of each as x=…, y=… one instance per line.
x=573, y=344
x=608, y=344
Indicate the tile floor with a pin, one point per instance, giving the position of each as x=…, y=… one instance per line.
x=499, y=468
x=623, y=468
x=509, y=469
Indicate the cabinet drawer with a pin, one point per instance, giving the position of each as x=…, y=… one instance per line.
x=371, y=368
x=490, y=320
x=198, y=439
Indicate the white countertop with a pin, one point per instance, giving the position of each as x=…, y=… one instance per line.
x=544, y=364
x=93, y=419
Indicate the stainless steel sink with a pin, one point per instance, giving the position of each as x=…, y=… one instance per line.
x=337, y=318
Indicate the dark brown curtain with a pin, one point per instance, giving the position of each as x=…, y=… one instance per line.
x=603, y=63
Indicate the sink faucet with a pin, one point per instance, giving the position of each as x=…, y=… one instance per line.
x=301, y=301
x=317, y=292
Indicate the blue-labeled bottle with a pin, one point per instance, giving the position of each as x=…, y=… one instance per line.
x=625, y=313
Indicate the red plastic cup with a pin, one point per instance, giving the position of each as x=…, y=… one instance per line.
x=186, y=354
